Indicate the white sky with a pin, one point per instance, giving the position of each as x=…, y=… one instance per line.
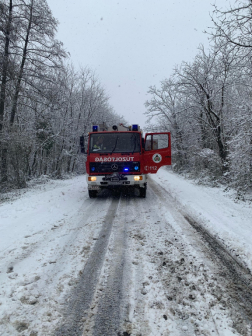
x=132, y=44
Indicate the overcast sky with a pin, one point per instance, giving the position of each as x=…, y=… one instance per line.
x=132, y=44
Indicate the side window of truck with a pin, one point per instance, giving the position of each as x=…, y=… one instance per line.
x=156, y=141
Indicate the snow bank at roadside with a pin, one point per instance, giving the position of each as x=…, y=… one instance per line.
x=228, y=220
x=37, y=209
x=41, y=249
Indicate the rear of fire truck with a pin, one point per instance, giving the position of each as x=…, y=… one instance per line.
x=119, y=156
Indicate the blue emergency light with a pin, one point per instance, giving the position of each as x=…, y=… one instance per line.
x=134, y=128
x=95, y=128
x=136, y=167
x=93, y=169
x=126, y=169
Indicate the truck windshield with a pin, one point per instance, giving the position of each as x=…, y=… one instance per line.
x=116, y=142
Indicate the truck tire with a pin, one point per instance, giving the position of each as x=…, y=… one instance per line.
x=92, y=193
x=143, y=192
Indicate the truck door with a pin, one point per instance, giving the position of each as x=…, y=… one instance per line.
x=157, y=152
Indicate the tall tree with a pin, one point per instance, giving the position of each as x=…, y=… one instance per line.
x=165, y=103
x=39, y=49
x=5, y=26
x=233, y=26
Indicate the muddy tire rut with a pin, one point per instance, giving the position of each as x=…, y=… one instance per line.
x=149, y=274
x=228, y=281
x=81, y=297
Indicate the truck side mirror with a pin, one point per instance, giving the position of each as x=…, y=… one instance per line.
x=82, y=144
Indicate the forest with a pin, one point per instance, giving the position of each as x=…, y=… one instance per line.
x=45, y=104
x=206, y=104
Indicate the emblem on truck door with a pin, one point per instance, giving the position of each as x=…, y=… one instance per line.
x=114, y=166
x=157, y=158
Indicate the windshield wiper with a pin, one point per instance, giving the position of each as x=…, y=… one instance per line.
x=115, y=145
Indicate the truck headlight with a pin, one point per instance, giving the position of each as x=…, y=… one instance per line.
x=92, y=178
x=138, y=178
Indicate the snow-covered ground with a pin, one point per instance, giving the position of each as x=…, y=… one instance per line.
x=226, y=218
x=44, y=243
x=50, y=233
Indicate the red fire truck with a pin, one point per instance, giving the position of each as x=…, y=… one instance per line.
x=119, y=156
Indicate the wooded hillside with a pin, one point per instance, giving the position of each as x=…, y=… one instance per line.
x=45, y=104
x=207, y=103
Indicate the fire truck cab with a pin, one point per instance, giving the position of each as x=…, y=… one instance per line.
x=119, y=156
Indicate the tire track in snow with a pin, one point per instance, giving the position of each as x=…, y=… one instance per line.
x=240, y=276
x=109, y=314
x=82, y=295
x=41, y=278
x=236, y=278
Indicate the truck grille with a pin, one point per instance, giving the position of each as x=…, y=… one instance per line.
x=112, y=167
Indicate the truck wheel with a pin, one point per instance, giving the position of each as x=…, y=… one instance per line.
x=92, y=193
x=143, y=192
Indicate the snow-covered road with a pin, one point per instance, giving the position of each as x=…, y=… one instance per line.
x=176, y=263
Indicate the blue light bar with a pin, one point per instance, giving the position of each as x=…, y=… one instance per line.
x=134, y=128
x=95, y=128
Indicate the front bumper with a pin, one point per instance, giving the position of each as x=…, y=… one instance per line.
x=115, y=180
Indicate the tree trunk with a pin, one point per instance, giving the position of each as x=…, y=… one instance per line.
x=250, y=164
x=222, y=149
x=21, y=70
x=3, y=145
x=5, y=66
